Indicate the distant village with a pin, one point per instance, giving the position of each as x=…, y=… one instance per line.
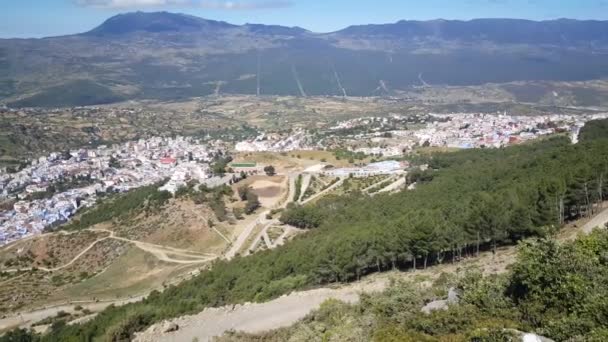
x=397, y=135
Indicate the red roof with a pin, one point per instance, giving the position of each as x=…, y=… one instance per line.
x=168, y=160
x=513, y=139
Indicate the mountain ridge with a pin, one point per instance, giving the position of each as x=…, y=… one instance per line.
x=163, y=21
x=159, y=22
x=169, y=56
x=500, y=30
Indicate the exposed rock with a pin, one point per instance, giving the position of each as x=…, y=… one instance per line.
x=453, y=298
x=170, y=327
x=435, y=305
x=528, y=337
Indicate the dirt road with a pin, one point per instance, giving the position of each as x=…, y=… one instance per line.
x=280, y=312
x=240, y=240
x=598, y=221
x=160, y=252
x=26, y=319
x=288, y=309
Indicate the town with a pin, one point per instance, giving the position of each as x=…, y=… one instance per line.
x=54, y=187
x=397, y=135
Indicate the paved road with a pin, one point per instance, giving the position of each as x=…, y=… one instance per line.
x=261, y=219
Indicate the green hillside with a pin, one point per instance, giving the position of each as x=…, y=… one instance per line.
x=555, y=290
x=74, y=93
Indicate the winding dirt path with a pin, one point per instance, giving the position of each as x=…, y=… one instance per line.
x=78, y=256
x=161, y=252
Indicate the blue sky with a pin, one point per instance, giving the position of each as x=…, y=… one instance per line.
x=38, y=18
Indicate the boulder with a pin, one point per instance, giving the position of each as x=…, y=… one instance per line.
x=453, y=296
x=528, y=337
x=435, y=305
x=170, y=327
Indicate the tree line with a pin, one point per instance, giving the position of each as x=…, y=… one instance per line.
x=556, y=290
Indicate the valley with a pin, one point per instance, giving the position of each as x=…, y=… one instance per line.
x=169, y=56
x=165, y=177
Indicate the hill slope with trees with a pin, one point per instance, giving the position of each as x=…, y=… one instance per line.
x=474, y=199
x=555, y=290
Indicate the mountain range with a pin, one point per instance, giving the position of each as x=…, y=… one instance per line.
x=169, y=56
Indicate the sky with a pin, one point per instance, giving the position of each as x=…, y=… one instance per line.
x=42, y=18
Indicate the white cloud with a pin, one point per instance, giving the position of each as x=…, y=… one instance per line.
x=225, y=5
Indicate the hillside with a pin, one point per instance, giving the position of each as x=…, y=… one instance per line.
x=167, y=56
x=500, y=31
x=553, y=289
x=125, y=247
x=154, y=23
x=467, y=202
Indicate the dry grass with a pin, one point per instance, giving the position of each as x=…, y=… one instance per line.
x=133, y=273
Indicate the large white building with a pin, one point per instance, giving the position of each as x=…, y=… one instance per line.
x=380, y=168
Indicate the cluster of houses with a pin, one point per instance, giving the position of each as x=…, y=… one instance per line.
x=493, y=131
x=38, y=204
x=461, y=130
x=276, y=142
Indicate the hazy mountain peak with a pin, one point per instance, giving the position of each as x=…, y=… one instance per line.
x=154, y=22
